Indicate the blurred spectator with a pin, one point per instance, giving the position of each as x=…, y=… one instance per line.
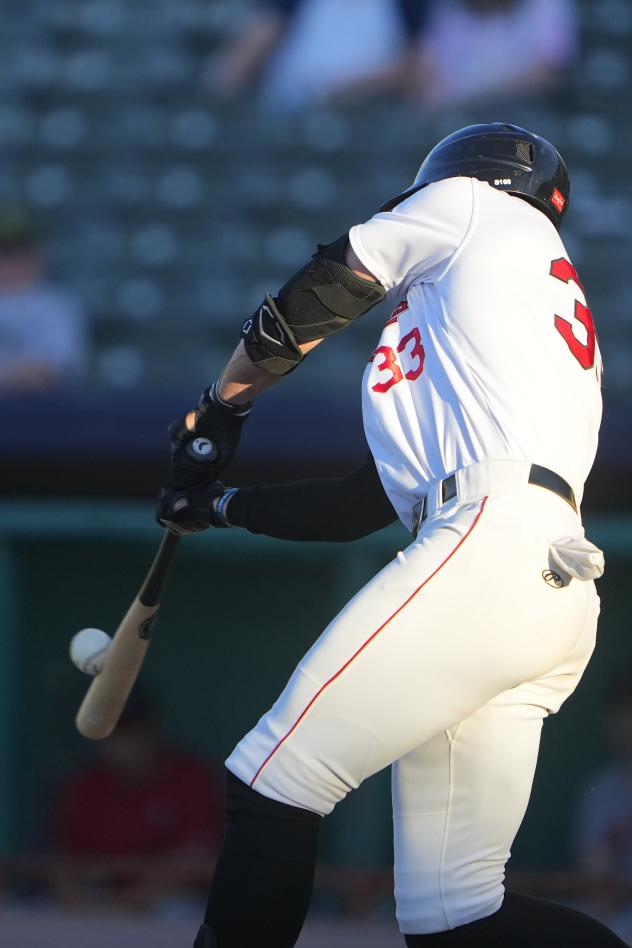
x=298, y=52
x=604, y=818
x=440, y=52
x=42, y=330
x=150, y=812
x=487, y=49
x=141, y=797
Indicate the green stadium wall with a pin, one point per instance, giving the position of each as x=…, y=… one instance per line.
x=238, y=613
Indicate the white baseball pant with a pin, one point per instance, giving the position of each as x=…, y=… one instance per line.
x=444, y=665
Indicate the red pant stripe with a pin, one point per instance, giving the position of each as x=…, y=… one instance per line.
x=364, y=645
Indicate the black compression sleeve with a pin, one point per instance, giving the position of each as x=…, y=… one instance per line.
x=336, y=509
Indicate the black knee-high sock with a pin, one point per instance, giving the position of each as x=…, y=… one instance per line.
x=524, y=922
x=264, y=875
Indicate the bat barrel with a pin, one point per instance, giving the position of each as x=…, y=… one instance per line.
x=107, y=696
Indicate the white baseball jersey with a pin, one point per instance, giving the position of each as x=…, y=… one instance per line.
x=491, y=352
x=445, y=664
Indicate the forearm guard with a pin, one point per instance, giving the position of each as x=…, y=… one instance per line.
x=324, y=297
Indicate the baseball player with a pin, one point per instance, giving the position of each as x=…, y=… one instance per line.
x=481, y=406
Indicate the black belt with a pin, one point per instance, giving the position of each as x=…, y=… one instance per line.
x=540, y=476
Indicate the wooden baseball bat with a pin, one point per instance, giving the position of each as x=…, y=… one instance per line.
x=107, y=695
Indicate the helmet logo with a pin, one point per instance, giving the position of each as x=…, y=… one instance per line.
x=501, y=181
x=558, y=200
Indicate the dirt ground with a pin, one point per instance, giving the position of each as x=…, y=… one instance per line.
x=23, y=927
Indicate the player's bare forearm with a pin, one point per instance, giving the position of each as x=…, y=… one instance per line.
x=242, y=381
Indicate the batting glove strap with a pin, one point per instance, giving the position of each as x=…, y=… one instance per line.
x=212, y=395
x=188, y=511
x=219, y=506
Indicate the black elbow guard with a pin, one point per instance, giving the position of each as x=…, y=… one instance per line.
x=321, y=299
x=269, y=341
x=326, y=295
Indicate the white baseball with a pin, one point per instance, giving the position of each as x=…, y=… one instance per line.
x=88, y=648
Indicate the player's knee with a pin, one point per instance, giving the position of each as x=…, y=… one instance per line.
x=309, y=783
x=428, y=902
x=303, y=775
x=205, y=938
x=242, y=801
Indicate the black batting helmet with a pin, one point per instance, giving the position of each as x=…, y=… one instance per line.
x=506, y=156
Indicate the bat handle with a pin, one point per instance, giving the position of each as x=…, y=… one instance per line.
x=149, y=594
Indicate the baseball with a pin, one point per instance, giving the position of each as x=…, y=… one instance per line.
x=88, y=649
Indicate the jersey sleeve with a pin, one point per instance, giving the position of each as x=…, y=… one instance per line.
x=417, y=239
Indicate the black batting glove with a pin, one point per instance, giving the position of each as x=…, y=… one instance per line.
x=189, y=511
x=200, y=454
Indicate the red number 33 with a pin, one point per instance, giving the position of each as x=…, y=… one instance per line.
x=583, y=352
x=389, y=363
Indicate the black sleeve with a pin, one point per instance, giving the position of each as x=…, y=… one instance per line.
x=334, y=508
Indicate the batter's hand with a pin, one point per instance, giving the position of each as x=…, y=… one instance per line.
x=189, y=511
x=204, y=441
